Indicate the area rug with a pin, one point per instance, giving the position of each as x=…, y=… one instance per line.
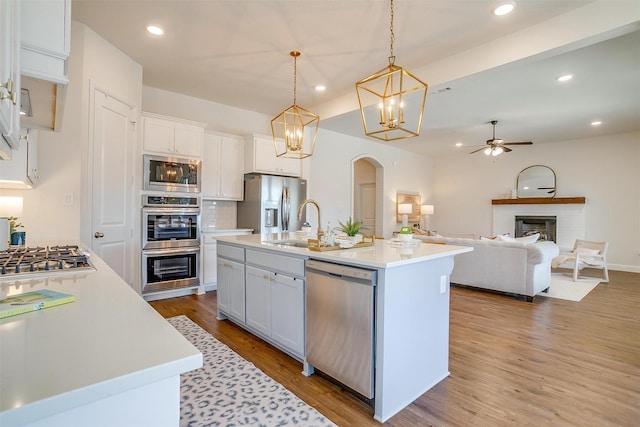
x=563, y=287
x=230, y=391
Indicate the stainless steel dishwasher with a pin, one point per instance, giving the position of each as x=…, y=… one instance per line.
x=340, y=323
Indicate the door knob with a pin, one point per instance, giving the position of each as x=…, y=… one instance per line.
x=98, y=235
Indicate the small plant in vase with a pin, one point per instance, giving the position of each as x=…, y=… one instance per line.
x=16, y=237
x=351, y=228
x=13, y=224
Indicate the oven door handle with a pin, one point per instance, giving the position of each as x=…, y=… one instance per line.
x=171, y=251
x=171, y=211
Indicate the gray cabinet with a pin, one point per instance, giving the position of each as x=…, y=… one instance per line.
x=269, y=299
x=231, y=288
x=210, y=255
x=275, y=298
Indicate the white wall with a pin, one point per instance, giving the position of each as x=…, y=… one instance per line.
x=329, y=170
x=330, y=182
x=62, y=156
x=604, y=170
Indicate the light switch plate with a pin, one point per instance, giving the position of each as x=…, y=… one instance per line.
x=443, y=284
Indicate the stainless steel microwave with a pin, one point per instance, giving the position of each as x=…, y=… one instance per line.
x=172, y=174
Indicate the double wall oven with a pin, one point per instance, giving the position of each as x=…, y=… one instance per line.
x=170, y=242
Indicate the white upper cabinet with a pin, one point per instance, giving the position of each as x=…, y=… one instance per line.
x=9, y=77
x=222, y=173
x=260, y=157
x=45, y=28
x=171, y=136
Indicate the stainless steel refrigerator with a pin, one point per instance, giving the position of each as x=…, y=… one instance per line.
x=271, y=203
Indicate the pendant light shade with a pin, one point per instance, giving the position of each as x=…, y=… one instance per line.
x=391, y=100
x=295, y=129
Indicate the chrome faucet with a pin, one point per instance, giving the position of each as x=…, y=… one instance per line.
x=302, y=205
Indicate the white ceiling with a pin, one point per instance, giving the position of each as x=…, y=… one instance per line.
x=236, y=52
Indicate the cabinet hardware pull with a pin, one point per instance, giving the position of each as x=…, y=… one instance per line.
x=11, y=94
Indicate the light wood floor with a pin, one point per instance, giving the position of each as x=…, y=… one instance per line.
x=550, y=362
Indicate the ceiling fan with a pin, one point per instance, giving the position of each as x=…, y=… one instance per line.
x=496, y=146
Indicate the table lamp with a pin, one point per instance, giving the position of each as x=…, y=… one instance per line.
x=425, y=211
x=9, y=207
x=405, y=209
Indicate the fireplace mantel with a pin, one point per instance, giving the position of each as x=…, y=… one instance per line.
x=540, y=201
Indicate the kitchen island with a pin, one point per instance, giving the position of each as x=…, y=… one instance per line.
x=411, y=326
x=105, y=359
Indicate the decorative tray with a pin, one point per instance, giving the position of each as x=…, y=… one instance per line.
x=316, y=245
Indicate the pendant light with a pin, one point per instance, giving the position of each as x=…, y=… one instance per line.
x=391, y=100
x=288, y=128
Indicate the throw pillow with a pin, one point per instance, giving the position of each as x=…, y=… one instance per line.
x=526, y=240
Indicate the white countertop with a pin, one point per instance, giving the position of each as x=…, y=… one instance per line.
x=383, y=254
x=109, y=340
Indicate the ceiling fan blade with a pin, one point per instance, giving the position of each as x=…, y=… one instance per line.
x=506, y=149
x=518, y=143
x=546, y=188
x=479, y=149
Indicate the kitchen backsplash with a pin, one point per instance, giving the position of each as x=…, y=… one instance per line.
x=219, y=215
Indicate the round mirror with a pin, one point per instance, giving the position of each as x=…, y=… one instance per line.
x=536, y=181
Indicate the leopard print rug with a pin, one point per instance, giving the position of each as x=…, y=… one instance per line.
x=229, y=391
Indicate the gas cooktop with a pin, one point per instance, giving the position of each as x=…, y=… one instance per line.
x=43, y=260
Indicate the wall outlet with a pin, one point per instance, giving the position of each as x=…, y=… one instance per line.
x=443, y=284
x=67, y=199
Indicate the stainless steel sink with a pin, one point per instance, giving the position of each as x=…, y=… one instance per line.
x=288, y=243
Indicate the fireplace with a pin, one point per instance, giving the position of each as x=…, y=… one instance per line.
x=568, y=211
x=532, y=224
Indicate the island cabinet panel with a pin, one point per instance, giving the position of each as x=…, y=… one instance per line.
x=287, y=312
x=258, y=291
x=231, y=283
x=275, y=308
x=272, y=293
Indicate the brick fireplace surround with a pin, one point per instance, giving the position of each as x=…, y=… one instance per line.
x=569, y=213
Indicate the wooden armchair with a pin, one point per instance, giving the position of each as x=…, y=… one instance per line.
x=584, y=254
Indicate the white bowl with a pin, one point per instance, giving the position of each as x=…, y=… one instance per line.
x=405, y=237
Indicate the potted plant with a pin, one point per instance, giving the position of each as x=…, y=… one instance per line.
x=351, y=228
x=17, y=237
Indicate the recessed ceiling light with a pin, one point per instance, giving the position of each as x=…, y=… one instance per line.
x=458, y=144
x=155, y=30
x=320, y=88
x=596, y=123
x=504, y=9
x=564, y=78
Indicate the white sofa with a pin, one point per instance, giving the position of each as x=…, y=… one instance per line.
x=511, y=267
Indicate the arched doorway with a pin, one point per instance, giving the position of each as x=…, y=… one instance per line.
x=367, y=179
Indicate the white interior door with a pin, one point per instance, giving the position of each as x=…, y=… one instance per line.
x=367, y=207
x=112, y=181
